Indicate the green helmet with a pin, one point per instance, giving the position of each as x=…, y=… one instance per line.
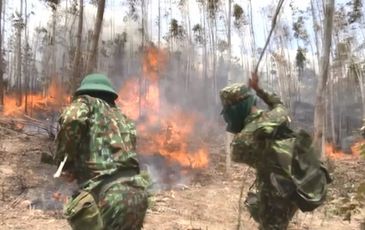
x=96, y=82
x=234, y=93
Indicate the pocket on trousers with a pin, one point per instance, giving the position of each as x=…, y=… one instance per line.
x=82, y=212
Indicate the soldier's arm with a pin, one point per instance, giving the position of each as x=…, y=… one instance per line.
x=270, y=121
x=242, y=148
x=73, y=126
x=271, y=99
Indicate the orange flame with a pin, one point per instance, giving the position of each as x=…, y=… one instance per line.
x=55, y=98
x=168, y=134
x=334, y=153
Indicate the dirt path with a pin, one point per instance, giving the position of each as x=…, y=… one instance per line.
x=210, y=201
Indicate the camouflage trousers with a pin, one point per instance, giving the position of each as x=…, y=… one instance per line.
x=120, y=206
x=269, y=209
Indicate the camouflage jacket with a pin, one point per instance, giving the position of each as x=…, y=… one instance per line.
x=255, y=144
x=97, y=138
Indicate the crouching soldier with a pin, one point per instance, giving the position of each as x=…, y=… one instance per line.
x=96, y=144
x=289, y=174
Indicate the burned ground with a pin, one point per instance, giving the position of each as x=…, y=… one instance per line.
x=31, y=199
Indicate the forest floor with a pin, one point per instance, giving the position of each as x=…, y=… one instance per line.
x=28, y=193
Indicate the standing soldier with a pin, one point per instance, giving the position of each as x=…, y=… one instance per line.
x=96, y=145
x=288, y=173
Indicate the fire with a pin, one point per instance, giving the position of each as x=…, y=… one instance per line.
x=54, y=98
x=173, y=140
x=334, y=153
x=162, y=128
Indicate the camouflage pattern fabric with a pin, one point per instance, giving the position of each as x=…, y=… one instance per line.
x=254, y=146
x=100, y=144
x=274, y=211
x=233, y=93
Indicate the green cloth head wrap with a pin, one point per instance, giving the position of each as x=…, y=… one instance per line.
x=235, y=114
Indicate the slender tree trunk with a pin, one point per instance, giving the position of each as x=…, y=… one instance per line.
x=1, y=56
x=190, y=53
x=332, y=107
x=26, y=61
x=252, y=33
x=159, y=23
x=205, y=57
x=229, y=136
x=19, y=27
x=214, y=57
x=315, y=24
x=319, y=112
x=360, y=78
x=95, y=37
x=76, y=70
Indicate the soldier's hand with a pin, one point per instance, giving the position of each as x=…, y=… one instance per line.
x=254, y=81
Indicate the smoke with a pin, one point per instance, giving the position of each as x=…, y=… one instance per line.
x=175, y=109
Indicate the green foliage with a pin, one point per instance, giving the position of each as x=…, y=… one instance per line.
x=239, y=16
x=212, y=7
x=300, y=32
x=237, y=11
x=132, y=9
x=120, y=39
x=356, y=11
x=340, y=19
x=222, y=46
x=176, y=31
x=197, y=28
x=181, y=3
x=198, y=34
x=300, y=58
x=52, y=3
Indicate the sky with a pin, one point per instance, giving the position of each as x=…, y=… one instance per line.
x=116, y=11
x=42, y=13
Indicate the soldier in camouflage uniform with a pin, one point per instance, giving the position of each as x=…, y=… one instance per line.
x=254, y=130
x=98, y=142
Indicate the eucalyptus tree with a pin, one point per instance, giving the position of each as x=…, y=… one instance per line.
x=93, y=52
x=1, y=55
x=319, y=112
x=239, y=23
x=19, y=26
x=76, y=68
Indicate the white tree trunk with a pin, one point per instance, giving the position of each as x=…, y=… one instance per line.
x=76, y=69
x=229, y=136
x=19, y=25
x=319, y=112
x=1, y=60
x=95, y=38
